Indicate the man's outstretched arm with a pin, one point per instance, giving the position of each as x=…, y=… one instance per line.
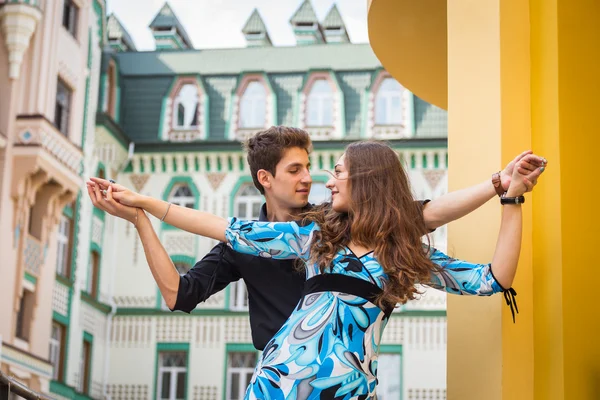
x=459, y=203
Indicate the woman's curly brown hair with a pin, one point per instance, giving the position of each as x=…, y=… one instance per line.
x=382, y=215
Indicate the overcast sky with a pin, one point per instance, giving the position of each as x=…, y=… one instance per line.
x=218, y=23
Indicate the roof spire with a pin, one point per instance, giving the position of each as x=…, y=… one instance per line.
x=168, y=31
x=334, y=27
x=255, y=31
x=306, y=25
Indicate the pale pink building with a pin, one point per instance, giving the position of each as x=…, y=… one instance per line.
x=49, y=66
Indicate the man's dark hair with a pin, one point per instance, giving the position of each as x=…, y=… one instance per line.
x=265, y=148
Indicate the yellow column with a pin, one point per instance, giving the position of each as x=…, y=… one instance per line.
x=488, y=124
x=565, y=89
x=521, y=74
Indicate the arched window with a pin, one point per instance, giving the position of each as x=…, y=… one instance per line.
x=319, y=108
x=248, y=201
x=186, y=107
x=182, y=196
x=388, y=103
x=253, y=106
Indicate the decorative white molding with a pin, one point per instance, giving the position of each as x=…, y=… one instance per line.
x=18, y=23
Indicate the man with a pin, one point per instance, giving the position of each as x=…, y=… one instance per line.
x=279, y=164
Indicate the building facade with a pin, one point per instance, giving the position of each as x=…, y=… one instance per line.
x=169, y=123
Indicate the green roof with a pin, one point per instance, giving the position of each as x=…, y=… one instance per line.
x=166, y=18
x=339, y=57
x=254, y=24
x=304, y=14
x=116, y=30
x=333, y=18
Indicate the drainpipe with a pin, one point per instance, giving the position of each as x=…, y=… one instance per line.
x=111, y=301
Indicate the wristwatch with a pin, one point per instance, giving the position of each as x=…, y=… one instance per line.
x=512, y=200
x=497, y=182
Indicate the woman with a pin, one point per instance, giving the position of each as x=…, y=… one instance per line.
x=363, y=254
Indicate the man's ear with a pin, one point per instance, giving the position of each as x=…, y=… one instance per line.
x=264, y=178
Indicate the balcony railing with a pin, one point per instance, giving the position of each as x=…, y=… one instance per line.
x=10, y=386
x=36, y=130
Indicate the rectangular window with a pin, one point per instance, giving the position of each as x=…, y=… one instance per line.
x=92, y=279
x=24, y=316
x=389, y=375
x=172, y=375
x=70, y=16
x=63, y=107
x=63, y=247
x=83, y=386
x=57, y=342
x=240, y=367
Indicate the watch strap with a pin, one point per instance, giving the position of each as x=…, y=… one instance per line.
x=512, y=200
x=497, y=182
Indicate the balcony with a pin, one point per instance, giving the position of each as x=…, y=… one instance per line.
x=43, y=154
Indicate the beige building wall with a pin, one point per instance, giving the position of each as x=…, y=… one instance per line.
x=40, y=173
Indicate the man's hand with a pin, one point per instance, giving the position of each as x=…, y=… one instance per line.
x=527, y=163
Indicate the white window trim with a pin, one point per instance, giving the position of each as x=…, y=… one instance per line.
x=320, y=99
x=178, y=101
x=182, y=201
x=62, y=247
x=243, y=373
x=253, y=101
x=174, y=371
x=389, y=112
x=55, y=349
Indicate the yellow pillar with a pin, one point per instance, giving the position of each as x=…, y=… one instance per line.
x=521, y=74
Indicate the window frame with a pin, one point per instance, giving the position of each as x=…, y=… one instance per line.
x=232, y=348
x=163, y=348
x=64, y=246
x=59, y=344
x=70, y=17
x=253, y=124
x=177, y=101
x=320, y=99
x=388, y=96
x=62, y=109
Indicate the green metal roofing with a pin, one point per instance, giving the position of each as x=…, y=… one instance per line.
x=254, y=24
x=333, y=18
x=338, y=57
x=166, y=18
x=304, y=14
x=116, y=30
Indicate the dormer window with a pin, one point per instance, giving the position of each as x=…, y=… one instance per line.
x=389, y=109
x=185, y=110
x=388, y=103
x=186, y=107
x=320, y=104
x=309, y=26
x=253, y=105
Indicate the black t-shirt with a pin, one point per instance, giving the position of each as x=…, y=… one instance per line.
x=274, y=286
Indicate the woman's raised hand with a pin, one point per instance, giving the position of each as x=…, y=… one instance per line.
x=103, y=199
x=525, y=176
x=120, y=193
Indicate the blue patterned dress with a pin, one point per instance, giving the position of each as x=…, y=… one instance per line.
x=328, y=347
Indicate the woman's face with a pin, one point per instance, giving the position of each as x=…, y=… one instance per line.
x=338, y=184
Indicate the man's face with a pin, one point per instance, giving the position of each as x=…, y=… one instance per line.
x=290, y=186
